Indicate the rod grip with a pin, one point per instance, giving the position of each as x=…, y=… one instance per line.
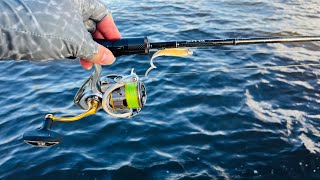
x=126, y=46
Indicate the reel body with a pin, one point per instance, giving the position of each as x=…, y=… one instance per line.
x=119, y=96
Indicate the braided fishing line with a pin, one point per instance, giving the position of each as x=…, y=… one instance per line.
x=263, y=51
x=237, y=69
x=132, y=95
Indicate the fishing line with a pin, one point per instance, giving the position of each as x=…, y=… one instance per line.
x=226, y=70
x=263, y=51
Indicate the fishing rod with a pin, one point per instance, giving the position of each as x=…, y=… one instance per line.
x=123, y=96
x=141, y=45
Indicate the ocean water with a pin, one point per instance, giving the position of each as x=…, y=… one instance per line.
x=261, y=124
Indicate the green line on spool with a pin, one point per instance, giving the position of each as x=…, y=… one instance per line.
x=132, y=95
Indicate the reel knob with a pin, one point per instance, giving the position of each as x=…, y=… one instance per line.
x=43, y=137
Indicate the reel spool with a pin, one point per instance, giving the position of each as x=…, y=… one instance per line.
x=119, y=96
x=123, y=97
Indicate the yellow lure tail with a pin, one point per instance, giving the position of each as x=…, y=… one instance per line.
x=175, y=52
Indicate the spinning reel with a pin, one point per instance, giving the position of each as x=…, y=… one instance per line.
x=119, y=96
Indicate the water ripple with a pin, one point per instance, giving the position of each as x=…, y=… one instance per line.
x=220, y=125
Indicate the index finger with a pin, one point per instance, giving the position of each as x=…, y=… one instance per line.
x=107, y=29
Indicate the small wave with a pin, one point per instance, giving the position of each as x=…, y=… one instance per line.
x=309, y=144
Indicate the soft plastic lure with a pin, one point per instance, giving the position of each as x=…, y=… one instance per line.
x=177, y=52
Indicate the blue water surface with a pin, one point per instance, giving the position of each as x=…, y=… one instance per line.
x=220, y=125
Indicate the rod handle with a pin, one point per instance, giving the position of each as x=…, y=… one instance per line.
x=126, y=46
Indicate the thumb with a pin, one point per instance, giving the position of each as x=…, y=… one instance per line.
x=103, y=57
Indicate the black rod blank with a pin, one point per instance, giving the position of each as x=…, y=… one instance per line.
x=127, y=46
x=225, y=42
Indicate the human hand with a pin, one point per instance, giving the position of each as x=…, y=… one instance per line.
x=105, y=29
x=55, y=29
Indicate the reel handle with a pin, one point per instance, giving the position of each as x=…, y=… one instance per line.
x=93, y=105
